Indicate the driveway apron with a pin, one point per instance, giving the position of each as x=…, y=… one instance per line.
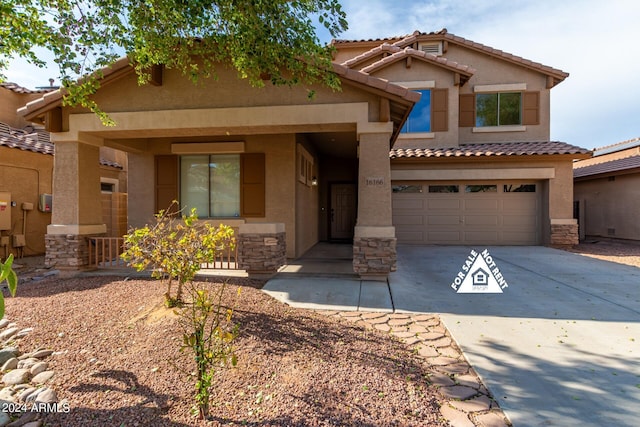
x=559, y=347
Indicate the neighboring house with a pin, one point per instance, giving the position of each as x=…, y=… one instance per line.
x=432, y=139
x=26, y=175
x=607, y=191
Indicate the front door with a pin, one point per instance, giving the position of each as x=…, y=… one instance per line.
x=343, y=211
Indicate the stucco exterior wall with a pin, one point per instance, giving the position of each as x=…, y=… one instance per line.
x=610, y=207
x=306, y=206
x=442, y=79
x=26, y=175
x=10, y=102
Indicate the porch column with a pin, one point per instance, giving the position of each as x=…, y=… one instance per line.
x=563, y=227
x=374, y=243
x=77, y=207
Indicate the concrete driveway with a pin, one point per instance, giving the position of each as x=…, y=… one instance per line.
x=559, y=347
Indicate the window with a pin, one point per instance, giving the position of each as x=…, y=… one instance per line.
x=443, y=189
x=211, y=184
x=498, y=109
x=406, y=188
x=420, y=118
x=519, y=188
x=481, y=189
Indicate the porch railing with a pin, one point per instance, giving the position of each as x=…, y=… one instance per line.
x=104, y=252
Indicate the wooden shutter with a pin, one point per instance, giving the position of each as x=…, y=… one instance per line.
x=252, y=185
x=439, y=110
x=467, y=110
x=531, y=108
x=166, y=181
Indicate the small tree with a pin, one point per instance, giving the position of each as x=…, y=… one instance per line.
x=7, y=275
x=209, y=333
x=175, y=247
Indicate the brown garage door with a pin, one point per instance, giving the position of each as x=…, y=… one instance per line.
x=458, y=213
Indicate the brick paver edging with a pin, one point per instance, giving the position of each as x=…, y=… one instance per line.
x=468, y=401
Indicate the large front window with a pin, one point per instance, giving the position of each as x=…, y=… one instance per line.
x=498, y=109
x=420, y=118
x=211, y=184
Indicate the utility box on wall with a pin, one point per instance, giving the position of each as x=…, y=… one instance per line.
x=44, y=204
x=5, y=211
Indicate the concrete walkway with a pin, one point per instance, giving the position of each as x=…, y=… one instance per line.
x=560, y=346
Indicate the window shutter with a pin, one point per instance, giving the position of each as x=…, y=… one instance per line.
x=166, y=181
x=252, y=189
x=531, y=108
x=467, y=110
x=439, y=110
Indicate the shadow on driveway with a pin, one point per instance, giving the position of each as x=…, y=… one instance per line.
x=560, y=346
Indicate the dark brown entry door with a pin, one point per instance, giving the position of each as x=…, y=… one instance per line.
x=343, y=211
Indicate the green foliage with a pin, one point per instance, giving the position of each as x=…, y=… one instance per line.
x=7, y=274
x=209, y=334
x=175, y=247
x=275, y=38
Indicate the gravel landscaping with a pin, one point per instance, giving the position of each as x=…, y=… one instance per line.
x=117, y=361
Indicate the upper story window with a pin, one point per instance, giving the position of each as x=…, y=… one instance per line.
x=498, y=109
x=420, y=118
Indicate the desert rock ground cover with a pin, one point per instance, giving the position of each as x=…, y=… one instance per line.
x=118, y=363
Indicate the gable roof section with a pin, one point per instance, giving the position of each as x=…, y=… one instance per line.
x=443, y=35
x=493, y=149
x=394, y=54
x=614, y=148
x=121, y=67
x=617, y=165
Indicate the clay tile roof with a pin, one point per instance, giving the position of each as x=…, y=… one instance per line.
x=403, y=41
x=399, y=54
x=492, y=149
x=364, y=78
x=617, y=165
x=13, y=87
x=37, y=142
x=16, y=138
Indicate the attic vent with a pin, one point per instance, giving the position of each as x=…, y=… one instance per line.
x=432, y=48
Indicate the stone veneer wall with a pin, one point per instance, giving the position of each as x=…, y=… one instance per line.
x=261, y=253
x=375, y=256
x=67, y=251
x=564, y=234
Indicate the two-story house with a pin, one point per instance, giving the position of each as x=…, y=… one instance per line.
x=432, y=139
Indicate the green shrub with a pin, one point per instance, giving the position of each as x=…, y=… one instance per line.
x=7, y=275
x=175, y=247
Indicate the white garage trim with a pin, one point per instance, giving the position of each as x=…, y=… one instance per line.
x=484, y=174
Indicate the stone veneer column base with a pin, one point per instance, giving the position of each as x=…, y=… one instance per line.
x=67, y=251
x=262, y=249
x=374, y=257
x=563, y=235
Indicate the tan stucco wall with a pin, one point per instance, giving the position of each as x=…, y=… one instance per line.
x=76, y=185
x=491, y=71
x=610, y=205
x=306, y=206
x=26, y=175
x=442, y=79
x=10, y=102
x=141, y=200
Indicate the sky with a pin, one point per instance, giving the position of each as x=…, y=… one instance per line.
x=597, y=42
